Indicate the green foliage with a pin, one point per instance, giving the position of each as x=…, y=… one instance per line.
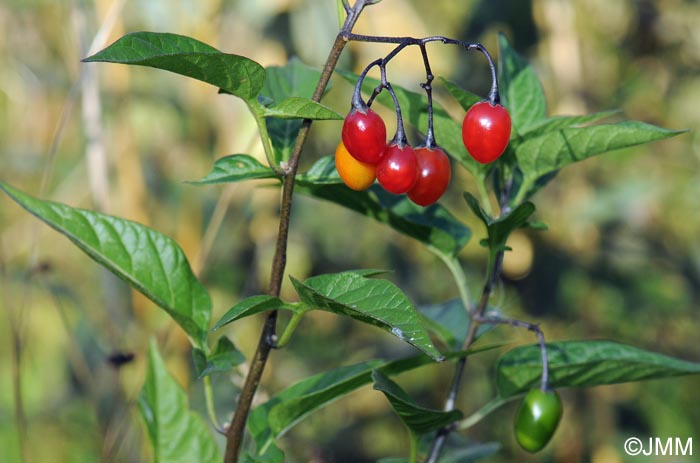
x=273, y=418
x=224, y=357
x=585, y=364
x=419, y=420
x=177, y=434
x=234, y=74
x=236, y=168
x=149, y=261
x=376, y=302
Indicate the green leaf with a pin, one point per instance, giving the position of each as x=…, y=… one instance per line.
x=376, y=302
x=322, y=172
x=553, y=123
x=414, y=108
x=541, y=155
x=251, y=306
x=434, y=225
x=520, y=89
x=294, y=79
x=585, y=364
x=464, y=98
x=177, y=434
x=273, y=418
x=149, y=261
x=301, y=108
x=223, y=359
x=449, y=322
x=234, y=74
x=419, y=420
x=236, y=168
x=500, y=229
x=272, y=454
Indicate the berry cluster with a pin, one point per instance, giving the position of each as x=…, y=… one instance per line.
x=422, y=173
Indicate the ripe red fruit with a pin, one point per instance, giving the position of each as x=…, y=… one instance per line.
x=434, y=173
x=485, y=131
x=364, y=135
x=397, y=171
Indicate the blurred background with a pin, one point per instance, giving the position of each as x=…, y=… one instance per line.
x=621, y=258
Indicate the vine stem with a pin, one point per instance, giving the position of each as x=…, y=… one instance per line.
x=236, y=428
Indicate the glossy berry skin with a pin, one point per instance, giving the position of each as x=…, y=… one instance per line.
x=434, y=173
x=364, y=135
x=397, y=171
x=355, y=174
x=537, y=419
x=485, y=131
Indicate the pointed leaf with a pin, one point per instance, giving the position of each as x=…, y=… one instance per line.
x=235, y=74
x=273, y=418
x=585, y=364
x=434, y=226
x=149, y=261
x=553, y=123
x=223, y=359
x=553, y=150
x=236, y=168
x=177, y=434
x=419, y=420
x=376, y=302
x=301, y=108
x=251, y=306
x=521, y=91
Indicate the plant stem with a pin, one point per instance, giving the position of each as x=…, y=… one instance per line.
x=494, y=270
x=209, y=398
x=234, y=434
x=413, y=449
x=289, y=329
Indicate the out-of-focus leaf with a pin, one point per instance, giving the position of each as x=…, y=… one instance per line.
x=464, y=98
x=146, y=259
x=419, y=420
x=585, y=364
x=223, y=359
x=177, y=434
x=236, y=168
x=234, y=74
x=374, y=301
x=449, y=322
x=500, y=229
x=294, y=79
x=273, y=418
x=520, y=89
x=272, y=454
x=434, y=225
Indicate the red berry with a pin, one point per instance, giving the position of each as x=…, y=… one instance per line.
x=397, y=171
x=434, y=174
x=364, y=135
x=485, y=131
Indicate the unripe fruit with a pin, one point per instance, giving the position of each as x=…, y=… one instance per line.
x=355, y=174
